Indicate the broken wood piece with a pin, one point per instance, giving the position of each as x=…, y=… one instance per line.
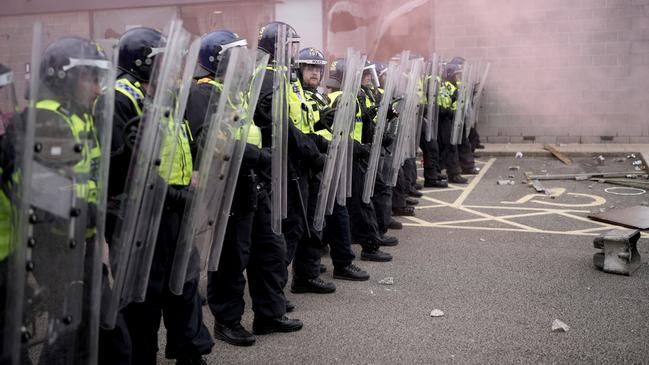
x=558, y=154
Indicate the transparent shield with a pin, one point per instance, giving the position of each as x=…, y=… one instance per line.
x=281, y=77
x=133, y=241
x=58, y=188
x=432, y=112
x=206, y=215
x=381, y=121
x=336, y=160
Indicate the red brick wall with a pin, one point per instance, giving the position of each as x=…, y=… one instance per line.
x=562, y=70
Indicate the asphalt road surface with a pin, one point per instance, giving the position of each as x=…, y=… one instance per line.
x=501, y=261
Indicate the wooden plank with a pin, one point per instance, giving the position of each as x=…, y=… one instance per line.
x=583, y=176
x=557, y=154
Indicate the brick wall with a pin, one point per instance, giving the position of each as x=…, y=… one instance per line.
x=562, y=70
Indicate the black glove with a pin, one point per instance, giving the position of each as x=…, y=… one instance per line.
x=361, y=151
x=327, y=118
x=320, y=142
x=177, y=197
x=388, y=139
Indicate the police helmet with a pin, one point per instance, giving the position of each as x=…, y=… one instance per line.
x=268, y=37
x=311, y=56
x=69, y=58
x=458, y=60
x=370, y=68
x=336, y=72
x=214, y=49
x=137, y=50
x=451, y=69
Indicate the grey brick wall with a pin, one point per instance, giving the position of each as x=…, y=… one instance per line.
x=562, y=70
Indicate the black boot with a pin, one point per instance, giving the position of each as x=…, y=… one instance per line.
x=315, y=285
x=264, y=326
x=457, y=179
x=412, y=201
x=386, y=240
x=234, y=334
x=394, y=224
x=374, y=254
x=439, y=183
x=403, y=211
x=289, y=306
x=350, y=272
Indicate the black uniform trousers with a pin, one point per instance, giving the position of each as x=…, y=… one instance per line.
x=400, y=191
x=336, y=232
x=187, y=336
x=249, y=245
x=430, y=152
x=364, y=227
x=465, y=155
x=449, y=158
x=410, y=172
x=382, y=200
x=474, y=138
x=303, y=249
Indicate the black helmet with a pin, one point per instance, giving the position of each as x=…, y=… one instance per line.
x=268, y=37
x=311, y=56
x=213, y=50
x=458, y=60
x=370, y=68
x=451, y=69
x=137, y=49
x=336, y=72
x=380, y=67
x=66, y=59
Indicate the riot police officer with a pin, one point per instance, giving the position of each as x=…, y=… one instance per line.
x=187, y=336
x=305, y=158
x=337, y=231
x=249, y=243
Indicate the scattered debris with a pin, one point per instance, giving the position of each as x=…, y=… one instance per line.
x=505, y=182
x=599, y=159
x=436, y=313
x=482, y=240
x=619, y=159
x=636, y=163
x=619, y=251
x=514, y=168
x=511, y=176
x=563, y=158
x=540, y=188
x=558, y=326
x=629, y=182
x=630, y=156
x=518, y=155
x=636, y=217
x=387, y=281
x=590, y=186
x=625, y=191
x=581, y=176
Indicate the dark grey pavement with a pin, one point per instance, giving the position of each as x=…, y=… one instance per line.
x=500, y=262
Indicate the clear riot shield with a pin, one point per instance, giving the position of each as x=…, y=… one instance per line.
x=336, y=161
x=457, y=130
x=229, y=118
x=61, y=201
x=16, y=157
x=381, y=121
x=477, y=97
x=407, y=119
x=432, y=112
x=135, y=235
x=280, y=115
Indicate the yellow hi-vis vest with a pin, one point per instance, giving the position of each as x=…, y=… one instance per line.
x=83, y=132
x=314, y=108
x=254, y=133
x=445, y=97
x=357, y=134
x=5, y=225
x=182, y=164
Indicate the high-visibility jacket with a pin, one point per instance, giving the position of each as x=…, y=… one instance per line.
x=357, y=134
x=181, y=163
x=254, y=133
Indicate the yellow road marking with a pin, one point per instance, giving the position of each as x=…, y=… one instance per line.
x=465, y=194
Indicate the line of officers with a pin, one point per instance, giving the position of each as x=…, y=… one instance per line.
x=250, y=245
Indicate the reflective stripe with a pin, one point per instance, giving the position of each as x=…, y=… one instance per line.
x=132, y=92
